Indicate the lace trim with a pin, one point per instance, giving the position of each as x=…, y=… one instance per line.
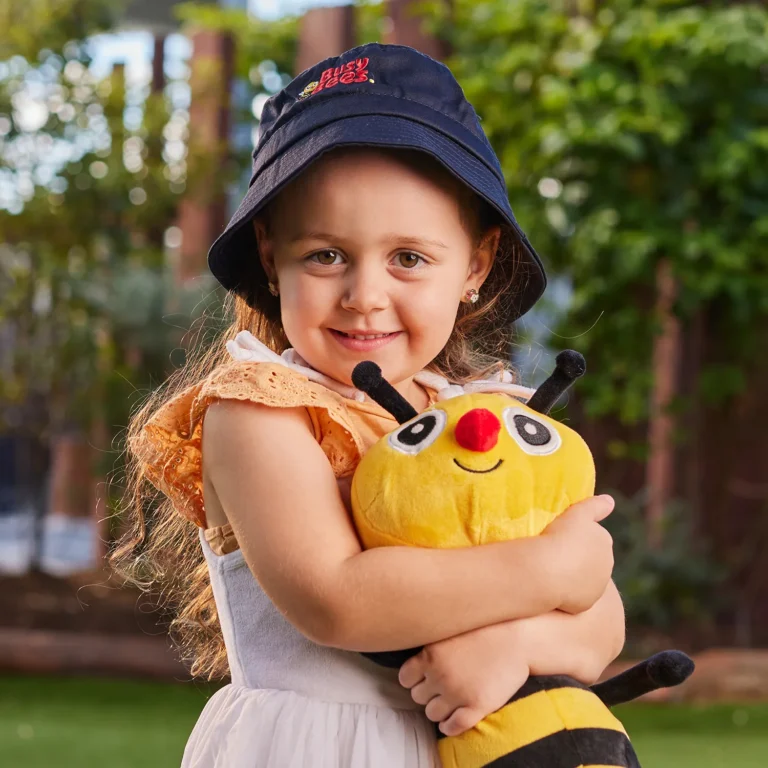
x=170, y=445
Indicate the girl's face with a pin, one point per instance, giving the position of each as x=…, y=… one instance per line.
x=371, y=260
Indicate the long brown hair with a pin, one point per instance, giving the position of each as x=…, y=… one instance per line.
x=159, y=550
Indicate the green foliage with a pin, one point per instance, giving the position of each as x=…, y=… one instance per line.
x=642, y=124
x=87, y=196
x=370, y=21
x=666, y=586
x=29, y=26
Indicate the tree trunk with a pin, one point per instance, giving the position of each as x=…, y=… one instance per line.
x=666, y=353
x=324, y=32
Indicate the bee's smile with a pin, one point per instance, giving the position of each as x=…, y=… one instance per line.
x=478, y=471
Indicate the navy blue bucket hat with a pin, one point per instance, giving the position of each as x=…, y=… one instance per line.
x=374, y=95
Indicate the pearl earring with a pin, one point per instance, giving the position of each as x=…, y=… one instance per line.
x=273, y=289
x=472, y=296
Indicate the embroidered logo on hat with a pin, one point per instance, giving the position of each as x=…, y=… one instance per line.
x=352, y=72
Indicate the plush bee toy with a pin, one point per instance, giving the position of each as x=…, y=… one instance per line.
x=481, y=468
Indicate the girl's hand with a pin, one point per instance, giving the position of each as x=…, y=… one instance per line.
x=580, y=645
x=582, y=554
x=465, y=678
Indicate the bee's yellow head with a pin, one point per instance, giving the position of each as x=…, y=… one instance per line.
x=473, y=469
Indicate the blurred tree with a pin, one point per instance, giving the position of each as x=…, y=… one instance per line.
x=91, y=170
x=78, y=196
x=265, y=52
x=642, y=125
x=28, y=27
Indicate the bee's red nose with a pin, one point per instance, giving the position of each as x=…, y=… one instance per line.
x=478, y=430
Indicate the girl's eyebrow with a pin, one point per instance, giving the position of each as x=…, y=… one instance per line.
x=312, y=236
x=391, y=239
x=415, y=241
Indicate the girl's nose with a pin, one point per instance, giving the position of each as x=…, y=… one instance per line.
x=478, y=430
x=365, y=290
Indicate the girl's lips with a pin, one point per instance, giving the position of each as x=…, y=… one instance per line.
x=363, y=345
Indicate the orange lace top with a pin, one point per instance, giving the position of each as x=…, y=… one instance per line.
x=170, y=445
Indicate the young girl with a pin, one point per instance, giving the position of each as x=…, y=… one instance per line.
x=376, y=227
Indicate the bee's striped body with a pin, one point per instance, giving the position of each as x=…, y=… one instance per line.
x=552, y=721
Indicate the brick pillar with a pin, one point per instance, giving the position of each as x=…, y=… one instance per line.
x=324, y=32
x=203, y=211
x=408, y=28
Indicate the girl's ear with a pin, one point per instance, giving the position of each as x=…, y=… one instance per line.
x=483, y=258
x=266, y=250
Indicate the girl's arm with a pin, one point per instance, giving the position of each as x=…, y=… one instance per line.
x=281, y=497
x=580, y=645
x=465, y=678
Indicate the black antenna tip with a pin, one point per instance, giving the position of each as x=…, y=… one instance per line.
x=366, y=375
x=571, y=363
x=670, y=668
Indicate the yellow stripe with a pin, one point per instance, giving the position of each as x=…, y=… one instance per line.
x=524, y=721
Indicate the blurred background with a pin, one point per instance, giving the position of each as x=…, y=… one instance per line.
x=634, y=140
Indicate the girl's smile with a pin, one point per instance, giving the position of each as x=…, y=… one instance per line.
x=364, y=341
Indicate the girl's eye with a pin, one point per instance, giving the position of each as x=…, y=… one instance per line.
x=408, y=260
x=326, y=258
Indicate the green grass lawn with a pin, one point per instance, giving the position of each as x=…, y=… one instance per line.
x=80, y=723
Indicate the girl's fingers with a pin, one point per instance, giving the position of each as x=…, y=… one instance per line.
x=412, y=672
x=598, y=507
x=438, y=709
x=607, y=504
x=423, y=692
x=461, y=720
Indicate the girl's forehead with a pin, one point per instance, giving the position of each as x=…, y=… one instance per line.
x=356, y=171
x=371, y=193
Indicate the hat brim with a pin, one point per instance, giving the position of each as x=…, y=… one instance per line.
x=233, y=253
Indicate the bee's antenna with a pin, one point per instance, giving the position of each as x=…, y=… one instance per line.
x=569, y=366
x=367, y=377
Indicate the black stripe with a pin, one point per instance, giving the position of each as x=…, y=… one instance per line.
x=546, y=683
x=571, y=749
x=536, y=684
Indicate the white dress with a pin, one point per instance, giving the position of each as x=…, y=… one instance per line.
x=295, y=704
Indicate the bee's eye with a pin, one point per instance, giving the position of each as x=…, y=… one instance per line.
x=533, y=435
x=419, y=433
